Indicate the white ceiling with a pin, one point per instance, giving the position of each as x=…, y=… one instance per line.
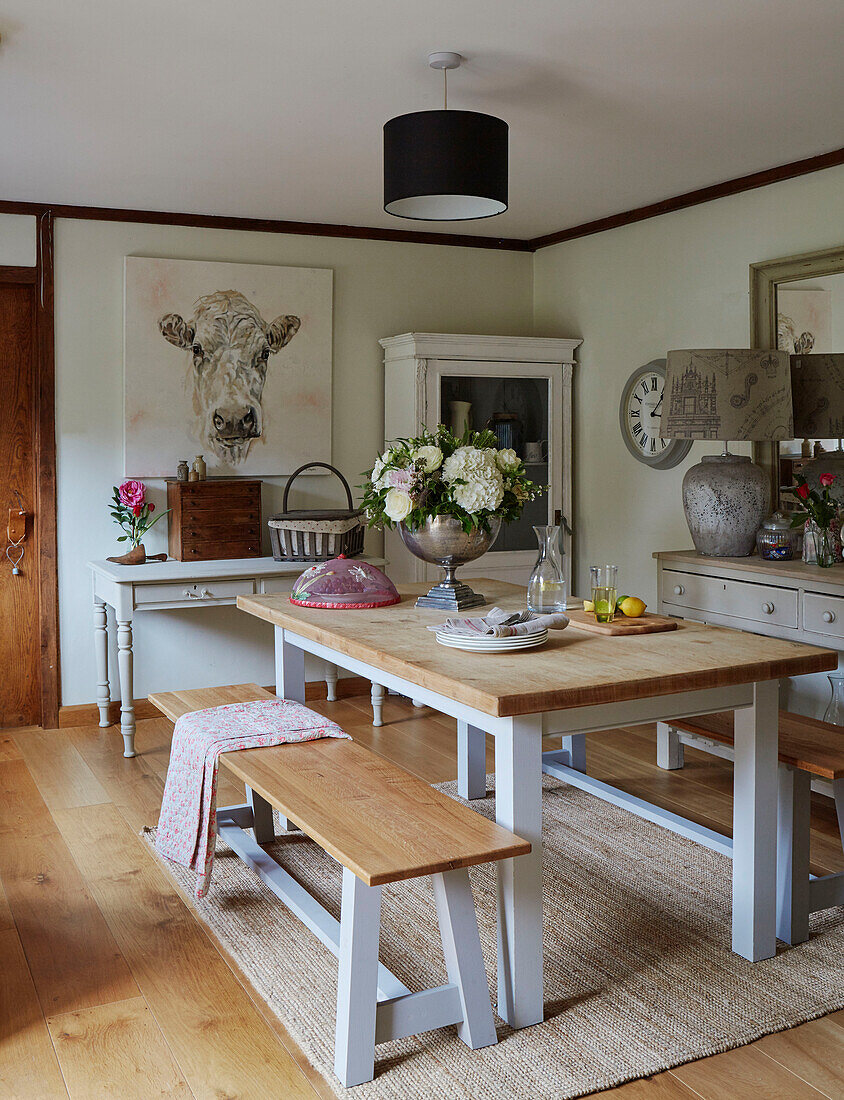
x=274, y=108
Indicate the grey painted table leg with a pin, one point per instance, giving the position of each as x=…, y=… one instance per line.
x=289, y=682
x=127, y=686
x=669, y=747
x=518, y=793
x=101, y=657
x=755, y=825
x=471, y=761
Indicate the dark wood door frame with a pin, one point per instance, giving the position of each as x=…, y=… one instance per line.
x=41, y=276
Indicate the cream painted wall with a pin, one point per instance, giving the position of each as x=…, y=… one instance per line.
x=17, y=240
x=679, y=280
x=380, y=288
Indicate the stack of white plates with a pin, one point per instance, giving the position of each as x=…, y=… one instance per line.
x=487, y=643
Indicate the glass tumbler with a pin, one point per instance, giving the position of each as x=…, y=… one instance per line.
x=604, y=591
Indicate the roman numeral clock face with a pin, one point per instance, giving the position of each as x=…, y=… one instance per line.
x=640, y=416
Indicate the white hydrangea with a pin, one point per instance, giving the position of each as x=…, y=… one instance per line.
x=377, y=476
x=482, y=488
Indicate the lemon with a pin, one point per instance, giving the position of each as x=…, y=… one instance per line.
x=632, y=607
x=588, y=605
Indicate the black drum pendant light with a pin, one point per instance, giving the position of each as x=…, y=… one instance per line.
x=445, y=166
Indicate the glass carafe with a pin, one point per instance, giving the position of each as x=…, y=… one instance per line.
x=835, y=711
x=547, y=587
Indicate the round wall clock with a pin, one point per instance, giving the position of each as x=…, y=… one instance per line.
x=640, y=415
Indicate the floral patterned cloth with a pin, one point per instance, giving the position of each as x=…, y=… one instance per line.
x=188, y=823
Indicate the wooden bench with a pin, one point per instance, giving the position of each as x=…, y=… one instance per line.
x=383, y=825
x=807, y=748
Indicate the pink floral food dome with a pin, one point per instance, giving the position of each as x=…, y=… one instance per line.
x=344, y=584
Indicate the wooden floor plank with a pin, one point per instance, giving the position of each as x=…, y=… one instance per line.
x=60, y=773
x=23, y=811
x=133, y=785
x=7, y=921
x=814, y=1051
x=745, y=1073
x=664, y=1086
x=217, y=1035
x=115, y=1050
x=28, y=1066
x=74, y=960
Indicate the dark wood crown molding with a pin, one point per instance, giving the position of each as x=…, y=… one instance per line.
x=455, y=240
x=263, y=225
x=693, y=198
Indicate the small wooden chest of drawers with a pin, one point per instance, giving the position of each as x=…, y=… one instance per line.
x=214, y=519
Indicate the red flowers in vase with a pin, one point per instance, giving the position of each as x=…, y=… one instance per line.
x=131, y=511
x=814, y=504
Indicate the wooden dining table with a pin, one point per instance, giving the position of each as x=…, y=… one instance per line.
x=576, y=683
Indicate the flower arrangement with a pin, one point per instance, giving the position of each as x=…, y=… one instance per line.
x=811, y=504
x=131, y=511
x=818, y=512
x=441, y=474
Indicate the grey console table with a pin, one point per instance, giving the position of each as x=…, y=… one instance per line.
x=169, y=585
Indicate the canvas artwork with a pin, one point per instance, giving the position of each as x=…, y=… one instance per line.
x=803, y=321
x=232, y=361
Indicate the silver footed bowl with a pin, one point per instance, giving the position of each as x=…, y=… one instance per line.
x=441, y=540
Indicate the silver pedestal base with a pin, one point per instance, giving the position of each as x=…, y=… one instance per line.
x=451, y=597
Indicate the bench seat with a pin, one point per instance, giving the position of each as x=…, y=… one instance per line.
x=372, y=816
x=804, y=743
x=382, y=825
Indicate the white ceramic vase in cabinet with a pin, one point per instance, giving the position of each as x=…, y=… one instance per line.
x=427, y=373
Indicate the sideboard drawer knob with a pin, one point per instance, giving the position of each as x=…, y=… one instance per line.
x=678, y=590
x=768, y=608
x=829, y=616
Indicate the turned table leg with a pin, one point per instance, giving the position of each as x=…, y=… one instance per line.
x=127, y=687
x=330, y=682
x=377, y=697
x=101, y=655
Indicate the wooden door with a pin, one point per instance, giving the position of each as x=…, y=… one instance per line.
x=20, y=631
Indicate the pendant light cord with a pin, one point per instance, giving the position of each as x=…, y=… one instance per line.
x=445, y=89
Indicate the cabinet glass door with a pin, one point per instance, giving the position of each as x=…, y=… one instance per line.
x=517, y=411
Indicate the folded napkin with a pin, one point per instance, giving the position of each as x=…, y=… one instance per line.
x=492, y=625
x=187, y=826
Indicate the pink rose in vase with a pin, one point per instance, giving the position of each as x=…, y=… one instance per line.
x=132, y=494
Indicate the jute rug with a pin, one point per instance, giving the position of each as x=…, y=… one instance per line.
x=639, y=975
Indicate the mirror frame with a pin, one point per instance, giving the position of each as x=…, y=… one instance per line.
x=764, y=279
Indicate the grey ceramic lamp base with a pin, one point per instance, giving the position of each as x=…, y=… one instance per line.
x=725, y=498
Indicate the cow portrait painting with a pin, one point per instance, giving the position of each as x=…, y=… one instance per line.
x=229, y=345
x=240, y=375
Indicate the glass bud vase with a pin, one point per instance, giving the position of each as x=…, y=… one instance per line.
x=546, y=592
x=825, y=547
x=834, y=713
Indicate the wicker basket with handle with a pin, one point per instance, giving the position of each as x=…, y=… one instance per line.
x=316, y=534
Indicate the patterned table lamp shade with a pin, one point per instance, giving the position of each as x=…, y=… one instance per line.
x=728, y=394
x=817, y=383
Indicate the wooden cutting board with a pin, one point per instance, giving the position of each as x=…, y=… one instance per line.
x=645, y=624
